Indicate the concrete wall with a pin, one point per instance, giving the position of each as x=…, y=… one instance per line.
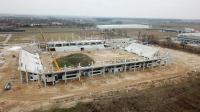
x=78, y=48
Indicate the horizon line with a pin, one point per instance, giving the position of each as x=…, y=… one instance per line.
x=79, y=16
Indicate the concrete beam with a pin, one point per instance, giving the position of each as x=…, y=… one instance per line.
x=134, y=67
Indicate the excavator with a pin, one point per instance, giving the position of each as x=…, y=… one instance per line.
x=48, y=49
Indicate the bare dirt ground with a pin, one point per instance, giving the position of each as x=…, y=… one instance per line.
x=181, y=97
x=105, y=56
x=27, y=37
x=30, y=96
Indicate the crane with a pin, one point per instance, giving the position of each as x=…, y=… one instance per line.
x=48, y=49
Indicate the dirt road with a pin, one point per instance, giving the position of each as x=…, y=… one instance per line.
x=8, y=37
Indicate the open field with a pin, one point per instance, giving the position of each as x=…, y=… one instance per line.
x=34, y=95
x=53, y=34
x=50, y=29
x=31, y=37
x=65, y=34
x=27, y=37
x=2, y=37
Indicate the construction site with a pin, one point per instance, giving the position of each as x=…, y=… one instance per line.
x=123, y=54
x=40, y=72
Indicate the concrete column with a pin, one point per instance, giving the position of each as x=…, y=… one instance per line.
x=114, y=66
x=104, y=69
x=27, y=77
x=143, y=66
x=156, y=63
x=53, y=79
x=33, y=75
x=160, y=63
x=38, y=78
x=134, y=67
x=65, y=77
x=92, y=70
x=45, y=83
x=21, y=78
x=47, y=47
x=125, y=65
x=79, y=66
x=65, y=74
x=152, y=64
x=39, y=45
x=53, y=76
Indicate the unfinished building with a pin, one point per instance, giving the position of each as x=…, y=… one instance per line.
x=61, y=46
x=32, y=68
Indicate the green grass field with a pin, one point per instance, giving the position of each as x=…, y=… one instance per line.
x=73, y=60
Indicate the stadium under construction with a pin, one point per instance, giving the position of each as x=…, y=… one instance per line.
x=34, y=68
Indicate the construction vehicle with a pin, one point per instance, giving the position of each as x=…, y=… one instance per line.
x=48, y=49
x=7, y=86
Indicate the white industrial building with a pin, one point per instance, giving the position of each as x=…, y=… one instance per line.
x=143, y=50
x=124, y=26
x=191, y=38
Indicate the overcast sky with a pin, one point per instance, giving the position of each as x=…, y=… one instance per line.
x=183, y=9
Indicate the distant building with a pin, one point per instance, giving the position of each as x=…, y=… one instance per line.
x=33, y=24
x=171, y=30
x=189, y=30
x=124, y=26
x=57, y=23
x=10, y=29
x=191, y=38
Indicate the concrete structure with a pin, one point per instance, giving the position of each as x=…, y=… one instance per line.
x=191, y=38
x=172, y=30
x=124, y=26
x=120, y=43
x=60, y=46
x=143, y=50
x=31, y=68
x=30, y=65
x=189, y=30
